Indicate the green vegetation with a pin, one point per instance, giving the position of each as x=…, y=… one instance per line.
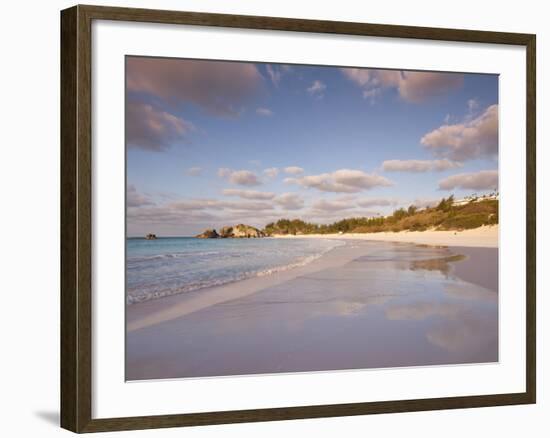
x=286, y=226
x=446, y=204
x=445, y=216
x=472, y=215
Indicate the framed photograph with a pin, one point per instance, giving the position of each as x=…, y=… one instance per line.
x=269, y=218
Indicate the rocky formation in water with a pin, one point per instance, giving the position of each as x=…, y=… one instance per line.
x=208, y=234
x=237, y=231
x=226, y=232
x=151, y=236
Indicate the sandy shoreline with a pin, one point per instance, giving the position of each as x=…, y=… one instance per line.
x=482, y=237
x=160, y=310
x=152, y=312
x=321, y=315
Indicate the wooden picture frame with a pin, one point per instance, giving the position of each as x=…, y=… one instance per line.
x=76, y=217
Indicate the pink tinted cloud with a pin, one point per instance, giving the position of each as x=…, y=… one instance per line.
x=152, y=129
x=239, y=177
x=416, y=86
x=418, y=166
x=482, y=180
x=412, y=86
x=218, y=87
x=341, y=181
x=476, y=138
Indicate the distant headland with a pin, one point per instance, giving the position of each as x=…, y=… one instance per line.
x=448, y=215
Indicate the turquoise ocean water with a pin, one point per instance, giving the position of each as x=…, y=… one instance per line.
x=168, y=266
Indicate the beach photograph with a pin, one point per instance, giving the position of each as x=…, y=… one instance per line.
x=285, y=218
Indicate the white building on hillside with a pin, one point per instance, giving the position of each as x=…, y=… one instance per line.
x=475, y=198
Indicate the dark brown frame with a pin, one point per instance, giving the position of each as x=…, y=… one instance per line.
x=76, y=219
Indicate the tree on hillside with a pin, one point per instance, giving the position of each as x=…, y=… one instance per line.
x=399, y=214
x=446, y=204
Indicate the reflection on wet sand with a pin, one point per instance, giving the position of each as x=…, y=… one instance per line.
x=392, y=305
x=439, y=264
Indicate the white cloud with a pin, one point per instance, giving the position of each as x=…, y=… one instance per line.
x=194, y=171
x=476, y=138
x=271, y=172
x=293, y=170
x=317, y=88
x=239, y=177
x=412, y=86
x=264, y=112
x=473, y=105
x=276, y=72
x=341, y=181
x=482, y=180
x=419, y=165
x=290, y=201
x=273, y=74
x=249, y=194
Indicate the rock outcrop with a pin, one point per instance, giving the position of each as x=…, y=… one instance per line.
x=208, y=234
x=242, y=230
x=226, y=232
x=237, y=231
x=151, y=236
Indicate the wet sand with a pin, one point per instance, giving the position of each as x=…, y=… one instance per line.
x=479, y=266
x=363, y=305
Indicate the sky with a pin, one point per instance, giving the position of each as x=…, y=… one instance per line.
x=214, y=143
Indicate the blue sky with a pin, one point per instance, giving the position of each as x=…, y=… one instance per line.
x=216, y=143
